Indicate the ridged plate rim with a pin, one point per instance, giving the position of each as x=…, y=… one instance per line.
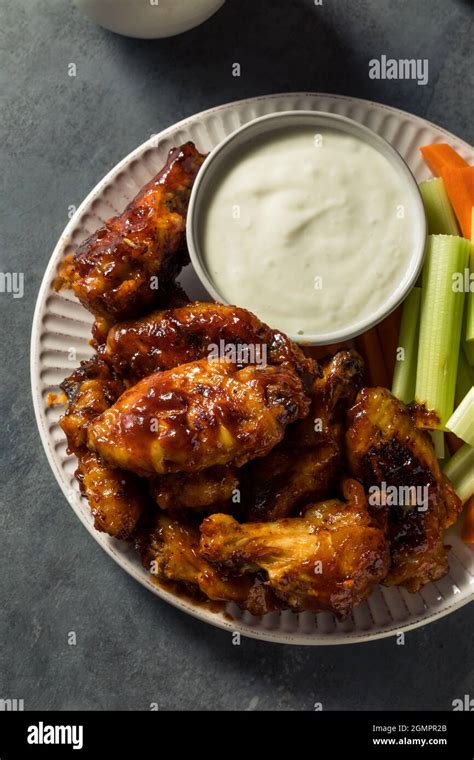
x=278, y=102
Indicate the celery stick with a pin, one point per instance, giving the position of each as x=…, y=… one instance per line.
x=440, y=324
x=439, y=212
x=461, y=422
x=404, y=375
x=464, y=378
x=468, y=348
x=470, y=316
x=437, y=436
x=460, y=471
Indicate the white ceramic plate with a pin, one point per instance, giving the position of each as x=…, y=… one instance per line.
x=61, y=332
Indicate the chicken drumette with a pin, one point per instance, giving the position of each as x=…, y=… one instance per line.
x=386, y=451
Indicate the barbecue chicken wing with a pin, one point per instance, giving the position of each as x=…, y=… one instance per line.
x=170, y=296
x=287, y=479
x=329, y=559
x=206, y=490
x=306, y=465
x=90, y=390
x=164, y=339
x=385, y=450
x=119, y=270
x=116, y=498
x=198, y=415
x=170, y=551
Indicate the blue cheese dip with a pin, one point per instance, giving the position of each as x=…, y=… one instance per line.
x=311, y=231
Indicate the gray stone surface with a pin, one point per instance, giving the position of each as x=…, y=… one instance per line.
x=59, y=135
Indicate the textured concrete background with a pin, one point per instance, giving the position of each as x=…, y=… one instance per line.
x=59, y=135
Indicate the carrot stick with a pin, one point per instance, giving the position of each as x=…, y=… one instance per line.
x=388, y=331
x=467, y=532
x=368, y=345
x=439, y=156
x=459, y=183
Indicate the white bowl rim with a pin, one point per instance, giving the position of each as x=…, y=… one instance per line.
x=385, y=148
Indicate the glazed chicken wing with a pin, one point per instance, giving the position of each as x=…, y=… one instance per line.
x=90, y=390
x=116, y=498
x=119, y=271
x=388, y=453
x=206, y=490
x=198, y=415
x=288, y=478
x=329, y=559
x=164, y=339
x=170, y=551
x=305, y=466
x=170, y=296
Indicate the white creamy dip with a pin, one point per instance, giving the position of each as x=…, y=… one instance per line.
x=312, y=232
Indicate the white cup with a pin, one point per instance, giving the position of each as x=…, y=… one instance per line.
x=149, y=19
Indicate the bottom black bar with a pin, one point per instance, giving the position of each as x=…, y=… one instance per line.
x=375, y=734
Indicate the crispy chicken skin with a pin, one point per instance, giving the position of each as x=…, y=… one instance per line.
x=333, y=392
x=305, y=466
x=198, y=415
x=90, y=390
x=170, y=551
x=384, y=446
x=111, y=272
x=207, y=490
x=164, y=339
x=288, y=478
x=329, y=559
x=170, y=296
x=116, y=498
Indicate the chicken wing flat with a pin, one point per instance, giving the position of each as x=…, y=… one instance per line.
x=116, y=498
x=170, y=551
x=164, y=339
x=198, y=415
x=306, y=465
x=329, y=559
x=206, y=490
x=386, y=450
x=120, y=269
